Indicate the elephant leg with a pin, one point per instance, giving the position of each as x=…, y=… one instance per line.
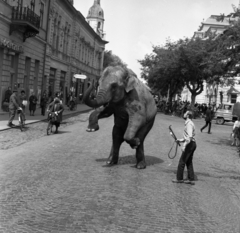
x=134, y=124
x=117, y=140
x=141, y=163
x=141, y=134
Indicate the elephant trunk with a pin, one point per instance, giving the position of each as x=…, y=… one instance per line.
x=93, y=102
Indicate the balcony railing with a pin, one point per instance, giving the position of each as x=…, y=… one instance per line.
x=25, y=14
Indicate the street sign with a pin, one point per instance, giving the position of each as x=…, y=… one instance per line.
x=79, y=76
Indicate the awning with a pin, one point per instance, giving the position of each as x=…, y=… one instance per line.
x=232, y=90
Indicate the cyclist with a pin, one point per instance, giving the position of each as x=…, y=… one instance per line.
x=58, y=109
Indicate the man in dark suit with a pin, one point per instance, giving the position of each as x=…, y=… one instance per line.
x=58, y=109
x=208, y=120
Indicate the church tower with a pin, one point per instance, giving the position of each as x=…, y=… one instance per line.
x=95, y=18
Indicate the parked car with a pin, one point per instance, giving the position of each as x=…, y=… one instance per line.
x=225, y=114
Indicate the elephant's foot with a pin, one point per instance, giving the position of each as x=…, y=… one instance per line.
x=112, y=161
x=134, y=143
x=141, y=165
x=92, y=129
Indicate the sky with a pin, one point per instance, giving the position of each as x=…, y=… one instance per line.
x=133, y=26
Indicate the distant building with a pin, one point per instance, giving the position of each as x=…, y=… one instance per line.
x=214, y=93
x=73, y=47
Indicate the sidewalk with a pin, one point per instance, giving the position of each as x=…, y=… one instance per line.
x=4, y=116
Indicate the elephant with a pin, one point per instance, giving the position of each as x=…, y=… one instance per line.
x=122, y=94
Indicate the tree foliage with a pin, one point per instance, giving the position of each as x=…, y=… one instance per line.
x=193, y=61
x=111, y=59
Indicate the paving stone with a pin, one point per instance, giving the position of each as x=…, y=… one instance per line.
x=60, y=183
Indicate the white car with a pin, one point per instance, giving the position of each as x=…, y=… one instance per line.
x=224, y=114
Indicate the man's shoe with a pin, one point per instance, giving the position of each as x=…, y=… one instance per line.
x=10, y=125
x=177, y=181
x=201, y=130
x=209, y=133
x=189, y=182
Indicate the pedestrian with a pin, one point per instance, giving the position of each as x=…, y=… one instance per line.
x=188, y=148
x=23, y=101
x=235, y=132
x=8, y=93
x=43, y=103
x=32, y=104
x=208, y=119
x=58, y=109
x=14, y=104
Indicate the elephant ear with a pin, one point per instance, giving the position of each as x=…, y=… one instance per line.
x=130, y=80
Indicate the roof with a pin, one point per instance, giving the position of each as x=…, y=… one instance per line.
x=232, y=90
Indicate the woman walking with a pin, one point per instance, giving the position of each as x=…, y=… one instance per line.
x=32, y=104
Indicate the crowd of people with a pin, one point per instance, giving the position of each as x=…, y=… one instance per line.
x=178, y=108
x=18, y=101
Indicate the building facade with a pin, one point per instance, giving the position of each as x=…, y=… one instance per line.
x=23, y=33
x=73, y=47
x=214, y=93
x=43, y=43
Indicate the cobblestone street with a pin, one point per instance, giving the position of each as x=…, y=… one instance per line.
x=59, y=183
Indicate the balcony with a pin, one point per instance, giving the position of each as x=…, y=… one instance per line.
x=25, y=21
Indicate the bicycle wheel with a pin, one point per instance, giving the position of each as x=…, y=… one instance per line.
x=20, y=122
x=49, y=128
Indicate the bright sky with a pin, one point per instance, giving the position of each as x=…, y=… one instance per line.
x=133, y=26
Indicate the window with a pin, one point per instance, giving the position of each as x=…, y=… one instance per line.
x=20, y=2
x=41, y=14
x=233, y=98
x=100, y=13
x=63, y=75
x=32, y=5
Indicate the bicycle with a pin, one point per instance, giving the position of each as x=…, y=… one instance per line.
x=51, y=122
x=21, y=119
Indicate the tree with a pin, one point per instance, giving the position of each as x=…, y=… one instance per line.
x=111, y=60
x=161, y=71
x=191, y=62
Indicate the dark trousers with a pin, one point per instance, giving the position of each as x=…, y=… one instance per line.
x=186, y=159
x=209, y=124
x=43, y=109
x=12, y=113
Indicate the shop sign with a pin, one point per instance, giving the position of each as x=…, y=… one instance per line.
x=10, y=45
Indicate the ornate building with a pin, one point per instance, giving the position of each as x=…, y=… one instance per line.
x=214, y=93
x=23, y=33
x=43, y=43
x=73, y=47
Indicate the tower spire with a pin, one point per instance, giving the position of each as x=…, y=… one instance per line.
x=97, y=2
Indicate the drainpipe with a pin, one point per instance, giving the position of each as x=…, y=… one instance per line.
x=46, y=39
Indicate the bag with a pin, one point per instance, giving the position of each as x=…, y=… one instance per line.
x=25, y=102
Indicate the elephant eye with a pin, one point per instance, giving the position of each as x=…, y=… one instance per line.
x=114, y=85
